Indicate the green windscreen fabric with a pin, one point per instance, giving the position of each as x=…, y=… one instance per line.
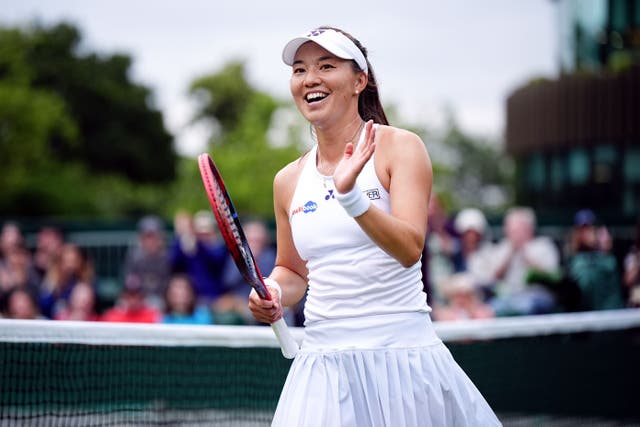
x=87, y=385
x=560, y=379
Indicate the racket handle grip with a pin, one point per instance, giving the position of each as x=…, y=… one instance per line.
x=288, y=344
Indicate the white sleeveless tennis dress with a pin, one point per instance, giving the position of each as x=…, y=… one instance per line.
x=370, y=356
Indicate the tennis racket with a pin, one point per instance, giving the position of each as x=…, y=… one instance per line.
x=233, y=236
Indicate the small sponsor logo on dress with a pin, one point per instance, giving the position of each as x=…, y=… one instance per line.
x=373, y=194
x=329, y=195
x=308, y=207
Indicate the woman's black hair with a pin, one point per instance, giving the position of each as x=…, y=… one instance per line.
x=168, y=308
x=369, y=104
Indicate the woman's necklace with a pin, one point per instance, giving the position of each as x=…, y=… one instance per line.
x=357, y=133
x=319, y=163
x=325, y=178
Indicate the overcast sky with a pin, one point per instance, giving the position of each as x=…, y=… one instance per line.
x=467, y=55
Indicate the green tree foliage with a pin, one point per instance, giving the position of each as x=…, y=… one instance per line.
x=472, y=171
x=77, y=137
x=119, y=131
x=28, y=120
x=242, y=116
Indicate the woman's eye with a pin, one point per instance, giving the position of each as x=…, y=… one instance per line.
x=298, y=70
x=326, y=66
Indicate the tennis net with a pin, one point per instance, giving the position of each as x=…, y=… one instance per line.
x=565, y=369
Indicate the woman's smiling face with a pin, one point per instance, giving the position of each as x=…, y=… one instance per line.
x=322, y=85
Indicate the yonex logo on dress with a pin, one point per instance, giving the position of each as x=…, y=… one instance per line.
x=330, y=195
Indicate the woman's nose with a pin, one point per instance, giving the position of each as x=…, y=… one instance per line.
x=311, y=78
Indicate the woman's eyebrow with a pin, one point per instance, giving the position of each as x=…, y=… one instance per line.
x=322, y=58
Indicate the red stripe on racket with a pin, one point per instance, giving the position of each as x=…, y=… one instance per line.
x=229, y=225
x=234, y=238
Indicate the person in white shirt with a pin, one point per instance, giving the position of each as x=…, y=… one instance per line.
x=514, y=259
x=351, y=219
x=475, y=249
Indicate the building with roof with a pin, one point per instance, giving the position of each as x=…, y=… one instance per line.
x=576, y=138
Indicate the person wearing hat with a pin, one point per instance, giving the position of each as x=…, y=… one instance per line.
x=350, y=229
x=148, y=259
x=463, y=300
x=591, y=265
x=475, y=249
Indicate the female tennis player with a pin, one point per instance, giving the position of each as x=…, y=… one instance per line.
x=351, y=217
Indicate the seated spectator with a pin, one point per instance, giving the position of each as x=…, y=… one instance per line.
x=49, y=243
x=475, y=249
x=132, y=306
x=181, y=306
x=20, y=304
x=592, y=267
x=149, y=259
x=631, y=275
x=462, y=300
x=440, y=246
x=17, y=271
x=199, y=252
x=512, y=261
x=81, y=305
x=10, y=238
x=236, y=287
x=72, y=267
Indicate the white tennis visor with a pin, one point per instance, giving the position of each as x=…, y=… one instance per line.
x=333, y=41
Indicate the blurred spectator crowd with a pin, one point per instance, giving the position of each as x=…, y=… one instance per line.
x=183, y=277
x=469, y=274
x=188, y=277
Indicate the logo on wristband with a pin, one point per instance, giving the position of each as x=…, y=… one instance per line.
x=373, y=194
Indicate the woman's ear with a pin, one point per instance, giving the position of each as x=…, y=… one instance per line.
x=361, y=82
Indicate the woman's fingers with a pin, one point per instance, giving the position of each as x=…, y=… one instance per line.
x=364, y=150
x=354, y=159
x=266, y=311
x=369, y=137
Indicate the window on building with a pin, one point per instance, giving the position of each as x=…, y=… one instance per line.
x=631, y=180
x=619, y=16
x=631, y=166
x=604, y=164
x=536, y=172
x=579, y=167
x=557, y=172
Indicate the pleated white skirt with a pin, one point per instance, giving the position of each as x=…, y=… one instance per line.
x=389, y=370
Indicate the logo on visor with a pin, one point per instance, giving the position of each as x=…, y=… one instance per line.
x=316, y=32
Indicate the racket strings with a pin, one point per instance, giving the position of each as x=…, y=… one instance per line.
x=225, y=210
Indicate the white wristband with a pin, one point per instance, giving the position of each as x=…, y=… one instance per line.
x=270, y=282
x=354, y=202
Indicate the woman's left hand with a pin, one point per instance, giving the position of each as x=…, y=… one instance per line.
x=354, y=159
x=266, y=311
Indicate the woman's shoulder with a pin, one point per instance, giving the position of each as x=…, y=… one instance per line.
x=400, y=146
x=290, y=173
x=394, y=142
x=387, y=133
